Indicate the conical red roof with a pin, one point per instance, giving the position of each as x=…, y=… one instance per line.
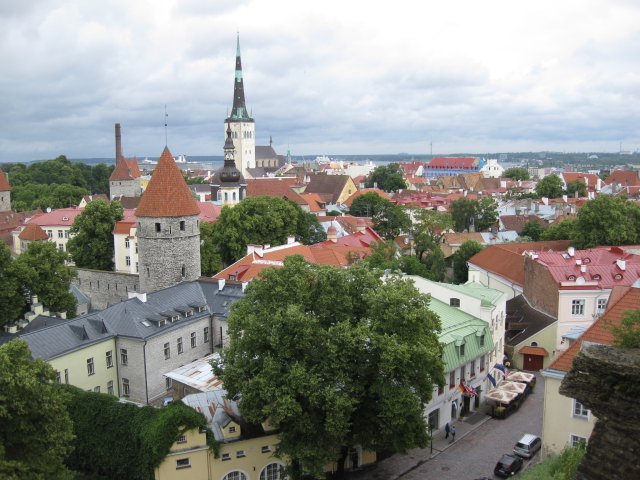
x=33, y=232
x=125, y=170
x=4, y=183
x=167, y=194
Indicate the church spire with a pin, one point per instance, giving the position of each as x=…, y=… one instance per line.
x=239, y=110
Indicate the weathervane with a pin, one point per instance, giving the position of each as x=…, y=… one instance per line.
x=166, y=115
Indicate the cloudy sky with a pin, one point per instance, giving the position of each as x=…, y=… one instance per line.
x=325, y=77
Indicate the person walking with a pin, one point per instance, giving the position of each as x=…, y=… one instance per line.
x=453, y=434
x=447, y=429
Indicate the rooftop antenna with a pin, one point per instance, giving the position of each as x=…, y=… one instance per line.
x=166, y=115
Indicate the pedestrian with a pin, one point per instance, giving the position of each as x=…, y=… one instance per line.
x=447, y=429
x=453, y=434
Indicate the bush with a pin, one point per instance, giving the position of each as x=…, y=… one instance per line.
x=557, y=467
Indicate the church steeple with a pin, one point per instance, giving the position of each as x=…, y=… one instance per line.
x=229, y=173
x=239, y=110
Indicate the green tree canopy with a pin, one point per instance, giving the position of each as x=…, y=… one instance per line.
x=428, y=229
x=460, y=268
x=627, y=334
x=368, y=205
x=391, y=221
x=577, y=186
x=12, y=300
x=517, y=173
x=607, y=220
x=533, y=230
x=333, y=358
x=35, y=428
x=42, y=271
x=91, y=242
x=550, y=187
x=482, y=214
x=387, y=177
x=210, y=262
x=261, y=220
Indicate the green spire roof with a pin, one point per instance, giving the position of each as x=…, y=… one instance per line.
x=239, y=110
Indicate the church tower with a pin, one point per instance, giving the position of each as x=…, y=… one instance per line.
x=168, y=229
x=228, y=187
x=243, y=128
x=5, y=192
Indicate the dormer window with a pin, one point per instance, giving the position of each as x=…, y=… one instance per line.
x=461, y=350
x=618, y=276
x=597, y=276
x=571, y=278
x=454, y=302
x=586, y=260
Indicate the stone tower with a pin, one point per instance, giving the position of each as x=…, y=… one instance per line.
x=168, y=229
x=243, y=128
x=5, y=192
x=228, y=186
x=125, y=178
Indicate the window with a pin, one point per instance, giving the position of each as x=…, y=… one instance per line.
x=240, y=454
x=90, y=368
x=454, y=302
x=60, y=234
x=136, y=247
x=182, y=439
x=66, y=376
x=193, y=340
x=577, y=307
x=167, y=351
x=574, y=440
x=50, y=233
x=472, y=370
x=110, y=387
x=579, y=410
x=126, y=243
x=483, y=360
x=66, y=234
x=123, y=356
x=183, y=463
x=96, y=389
x=271, y=472
x=206, y=334
x=461, y=350
x=167, y=383
x=182, y=225
x=602, y=305
x=58, y=377
x=482, y=340
x=265, y=449
x=179, y=345
x=183, y=271
x=452, y=379
x=157, y=227
x=226, y=456
x=61, y=247
x=232, y=429
x=109, y=359
x=127, y=260
x=125, y=387
x=463, y=373
x=137, y=269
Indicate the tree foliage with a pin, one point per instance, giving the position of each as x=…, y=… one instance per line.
x=428, y=229
x=119, y=440
x=627, y=334
x=517, y=173
x=577, y=186
x=387, y=177
x=333, y=358
x=12, y=302
x=42, y=271
x=607, y=220
x=550, y=187
x=261, y=220
x=35, y=428
x=368, y=205
x=391, y=222
x=91, y=243
x=482, y=214
x=460, y=268
x=533, y=230
x=210, y=262
x=565, y=230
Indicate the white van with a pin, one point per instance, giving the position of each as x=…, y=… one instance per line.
x=527, y=446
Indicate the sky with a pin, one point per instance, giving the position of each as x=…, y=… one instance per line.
x=330, y=77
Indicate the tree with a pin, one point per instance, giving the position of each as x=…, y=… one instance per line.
x=333, y=358
x=391, y=221
x=460, y=268
x=42, y=271
x=577, y=186
x=435, y=264
x=532, y=229
x=260, y=220
x=210, y=262
x=35, y=428
x=368, y=205
x=91, y=242
x=428, y=229
x=565, y=230
x=12, y=301
x=309, y=230
x=607, y=220
x=517, y=173
x=482, y=214
x=487, y=214
x=387, y=178
x=627, y=334
x=550, y=187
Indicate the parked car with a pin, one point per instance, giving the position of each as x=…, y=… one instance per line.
x=527, y=446
x=508, y=465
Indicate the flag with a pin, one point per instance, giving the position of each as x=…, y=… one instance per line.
x=461, y=388
x=472, y=391
x=491, y=379
x=502, y=368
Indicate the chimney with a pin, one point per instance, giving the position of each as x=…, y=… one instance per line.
x=221, y=283
x=564, y=198
x=571, y=251
x=118, y=143
x=583, y=268
x=258, y=250
x=62, y=315
x=11, y=328
x=34, y=299
x=575, y=194
x=291, y=239
x=622, y=264
x=244, y=286
x=250, y=249
x=332, y=234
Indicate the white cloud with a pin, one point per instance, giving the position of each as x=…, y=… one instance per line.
x=321, y=77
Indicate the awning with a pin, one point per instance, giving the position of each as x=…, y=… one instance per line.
x=516, y=387
x=500, y=395
x=529, y=350
x=521, y=377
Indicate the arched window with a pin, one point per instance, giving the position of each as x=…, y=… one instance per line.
x=235, y=475
x=273, y=471
x=233, y=196
x=226, y=197
x=534, y=344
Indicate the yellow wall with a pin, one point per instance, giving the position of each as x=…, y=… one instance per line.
x=76, y=364
x=348, y=190
x=196, y=450
x=559, y=423
x=545, y=338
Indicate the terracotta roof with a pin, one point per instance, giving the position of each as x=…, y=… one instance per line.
x=600, y=331
x=10, y=220
x=33, y=232
x=349, y=223
x=209, y=212
x=4, y=182
x=167, y=194
x=273, y=187
x=379, y=192
x=61, y=217
x=365, y=238
x=328, y=186
x=315, y=201
x=529, y=350
x=589, y=179
x=507, y=261
x=453, y=162
x=126, y=169
x=624, y=178
x=517, y=222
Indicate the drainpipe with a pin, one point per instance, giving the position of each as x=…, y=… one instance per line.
x=144, y=358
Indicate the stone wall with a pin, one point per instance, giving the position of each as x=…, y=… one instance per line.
x=127, y=188
x=540, y=288
x=607, y=381
x=106, y=288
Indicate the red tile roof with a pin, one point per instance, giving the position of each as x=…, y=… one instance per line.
x=33, y=232
x=624, y=178
x=589, y=179
x=529, y=350
x=453, y=162
x=126, y=169
x=61, y=217
x=315, y=202
x=600, y=331
x=274, y=187
x=167, y=194
x=365, y=238
x=4, y=182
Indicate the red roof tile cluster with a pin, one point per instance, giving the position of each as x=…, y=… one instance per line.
x=622, y=177
x=4, y=182
x=366, y=238
x=410, y=168
x=61, y=217
x=315, y=202
x=591, y=180
x=348, y=223
x=33, y=232
x=600, y=331
x=167, y=194
x=126, y=169
x=274, y=187
x=453, y=162
x=418, y=199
